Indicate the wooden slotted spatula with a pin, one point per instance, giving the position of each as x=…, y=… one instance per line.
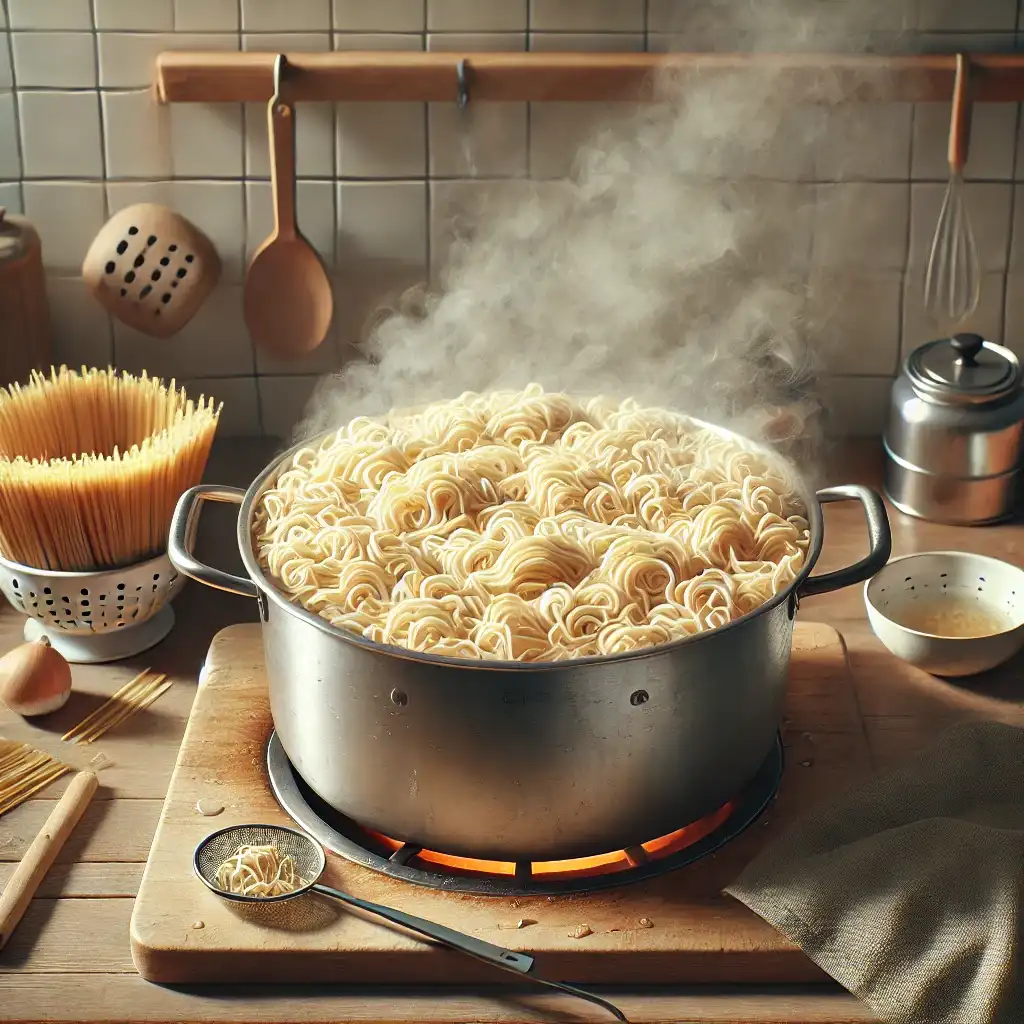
x=288, y=300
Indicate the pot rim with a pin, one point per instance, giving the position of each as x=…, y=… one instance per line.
x=270, y=590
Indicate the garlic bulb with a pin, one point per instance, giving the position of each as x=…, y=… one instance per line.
x=34, y=679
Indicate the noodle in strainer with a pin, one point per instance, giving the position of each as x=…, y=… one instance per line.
x=266, y=864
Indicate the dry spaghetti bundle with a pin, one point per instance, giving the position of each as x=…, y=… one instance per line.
x=92, y=464
x=23, y=772
x=132, y=698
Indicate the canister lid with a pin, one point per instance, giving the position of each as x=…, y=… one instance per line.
x=964, y=368
x=12, y=238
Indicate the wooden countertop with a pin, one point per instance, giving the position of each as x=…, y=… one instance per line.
x=69, y=960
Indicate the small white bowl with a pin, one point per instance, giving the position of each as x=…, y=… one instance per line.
x=918, y=586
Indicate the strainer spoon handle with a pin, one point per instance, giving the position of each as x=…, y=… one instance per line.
x=482, y=950
x=507, y=959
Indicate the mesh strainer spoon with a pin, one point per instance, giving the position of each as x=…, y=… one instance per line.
x=310, y=863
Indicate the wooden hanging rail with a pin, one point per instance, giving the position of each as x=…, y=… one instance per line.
x=223, y=77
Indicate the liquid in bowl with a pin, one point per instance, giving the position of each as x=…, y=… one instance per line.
x=956, y=616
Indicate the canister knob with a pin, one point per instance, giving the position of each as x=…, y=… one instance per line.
x=967, y=346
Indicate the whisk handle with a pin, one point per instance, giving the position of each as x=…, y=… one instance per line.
x=960, y=118
x=506, y=958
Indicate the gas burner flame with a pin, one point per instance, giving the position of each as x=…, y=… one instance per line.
x=578, y=867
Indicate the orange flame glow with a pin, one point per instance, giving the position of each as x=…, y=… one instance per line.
x=601, y=864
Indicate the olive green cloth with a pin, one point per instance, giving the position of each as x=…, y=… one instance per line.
x=908, y=890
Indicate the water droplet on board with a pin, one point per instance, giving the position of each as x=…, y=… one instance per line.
x=198, y=924
x=209, y=808
x=645, y=922
x=581, y=931
x=807, y=763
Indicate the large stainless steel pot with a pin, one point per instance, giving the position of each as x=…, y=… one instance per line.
x=524, y=761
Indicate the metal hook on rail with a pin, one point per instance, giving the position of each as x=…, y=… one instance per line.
x=280, y=63
x=462, y=84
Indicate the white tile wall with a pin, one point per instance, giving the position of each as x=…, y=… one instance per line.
x=1013, y=323
x=587, y=15
x=379, y=16
x=82, y=331
x=381, y=140
x=314, y=211
x=856, y=319
x=134, y=16
x=477, y=15
x=10, y=196
x=386, y=187
x=857, y=406
x=485, y=140
x=214, y=343
x=137, y=135
x=6, y=70
x=71, y=150
x=382, y=222
x=974, y=16
x=126, y=59
x=293, y=16
x=993, y=142
x=216, y=207
x=10, y=147
x=240, y=416
x=50, y=14
x=870, y=141
x=918, y=327
x=207, y=15
x=314, y=122
x=862, y=225
x=54, y=60
x=989, y=206
x=67, y=215
x=282, y=400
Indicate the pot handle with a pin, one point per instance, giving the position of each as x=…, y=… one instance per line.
x=182, y=540
x=878, y=533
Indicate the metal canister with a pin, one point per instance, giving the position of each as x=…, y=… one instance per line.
x=953, y=442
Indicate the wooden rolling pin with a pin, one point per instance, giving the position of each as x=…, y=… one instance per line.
x=19, y=891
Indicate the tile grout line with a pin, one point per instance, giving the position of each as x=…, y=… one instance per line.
x=1010, y=238
x=245, y=230
x=15, y=107
x=101, y=113
x=907, y=276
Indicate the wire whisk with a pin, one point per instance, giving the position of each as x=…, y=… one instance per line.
x=952, y=286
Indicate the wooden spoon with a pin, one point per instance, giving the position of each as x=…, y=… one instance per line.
x=288, y=302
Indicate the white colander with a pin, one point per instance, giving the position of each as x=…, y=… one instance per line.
x=91, y=617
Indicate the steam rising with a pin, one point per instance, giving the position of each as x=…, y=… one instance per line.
x=673, y=266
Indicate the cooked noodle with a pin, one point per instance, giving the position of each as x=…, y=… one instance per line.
x=530, y=526
x=259, y=871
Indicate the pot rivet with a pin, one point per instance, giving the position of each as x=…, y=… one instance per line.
x=399, y=698
x=638, y=697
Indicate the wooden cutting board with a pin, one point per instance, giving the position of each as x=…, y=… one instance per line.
x=182, y=933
